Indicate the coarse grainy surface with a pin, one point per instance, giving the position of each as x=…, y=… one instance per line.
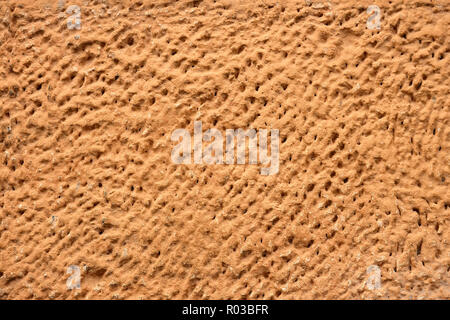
x=87, y=180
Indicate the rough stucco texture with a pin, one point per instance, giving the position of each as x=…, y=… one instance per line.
x=86, y=176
